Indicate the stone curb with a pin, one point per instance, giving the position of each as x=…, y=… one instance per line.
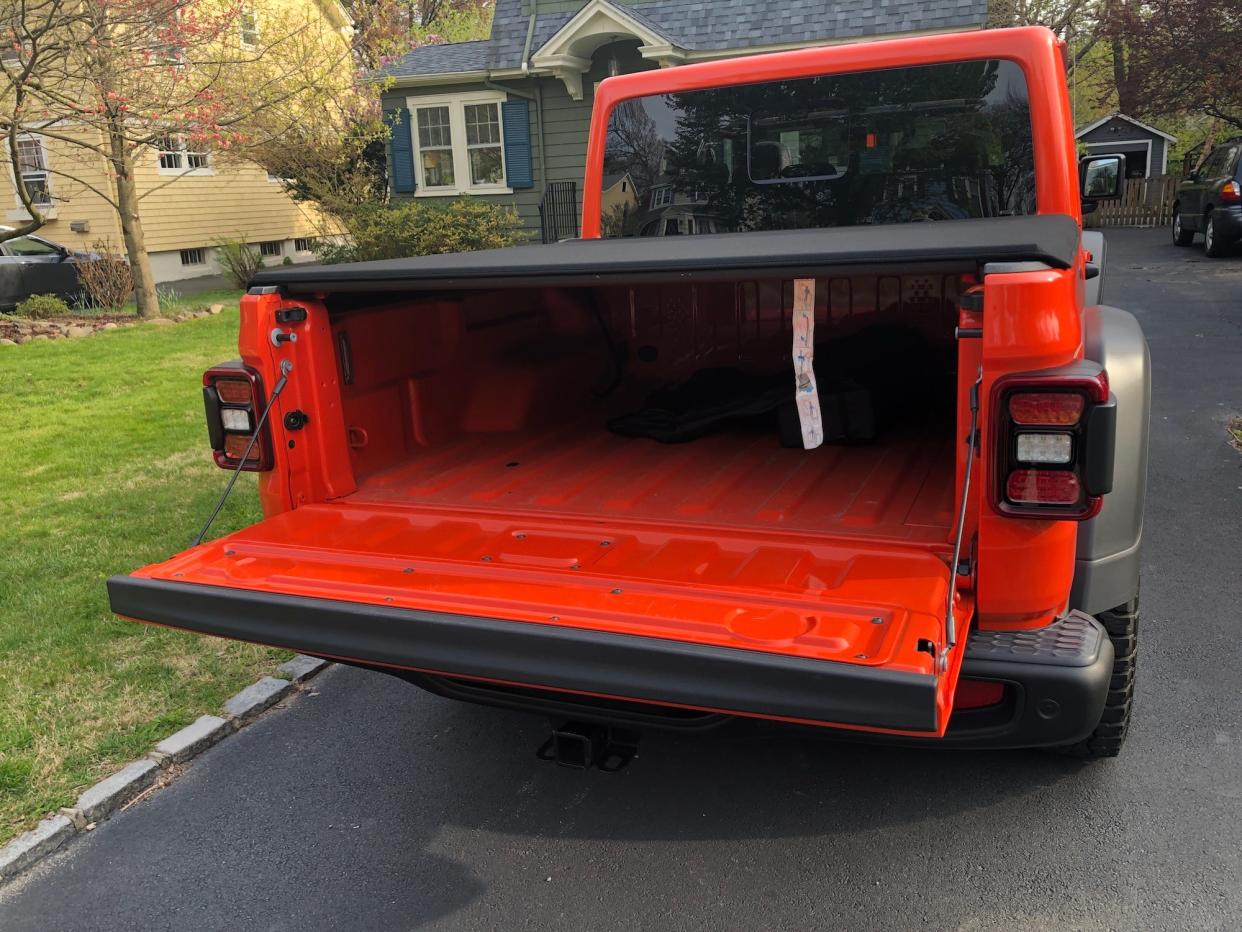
x=256, y=698
x=190, y=740
x=302, y=667
x=109, y=795
x=32, y=846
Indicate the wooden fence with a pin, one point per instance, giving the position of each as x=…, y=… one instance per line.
x=1144, y=202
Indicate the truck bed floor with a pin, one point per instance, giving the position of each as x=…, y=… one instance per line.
x=899, y=488
x=838, y=554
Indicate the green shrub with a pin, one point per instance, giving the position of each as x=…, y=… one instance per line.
x=239, y=260
x=39, y=306
x=422, y=228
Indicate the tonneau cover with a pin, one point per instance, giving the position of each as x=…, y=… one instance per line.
x=1049, y=239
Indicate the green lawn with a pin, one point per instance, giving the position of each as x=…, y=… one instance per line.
x=171, y=303
x=106, y=468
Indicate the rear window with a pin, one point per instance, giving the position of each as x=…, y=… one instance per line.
x=936, y=142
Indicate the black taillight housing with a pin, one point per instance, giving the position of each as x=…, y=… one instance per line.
x=1053, y=435
x=234, y=401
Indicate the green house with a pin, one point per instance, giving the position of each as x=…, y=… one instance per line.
x=506, y=117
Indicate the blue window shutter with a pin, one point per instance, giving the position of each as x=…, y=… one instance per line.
x=401, y=150
x=519, y=172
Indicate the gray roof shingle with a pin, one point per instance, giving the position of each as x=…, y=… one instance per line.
x=450, y=58
x=699, y=25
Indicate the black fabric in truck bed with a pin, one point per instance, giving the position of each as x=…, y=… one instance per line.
x=1050, y=239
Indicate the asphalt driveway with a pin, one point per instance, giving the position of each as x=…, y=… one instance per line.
x=371, y=805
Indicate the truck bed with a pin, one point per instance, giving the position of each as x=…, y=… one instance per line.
x=900, y=490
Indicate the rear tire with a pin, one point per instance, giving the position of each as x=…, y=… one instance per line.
x=1109, y=734
x=1214, y=246
x=1181, y=236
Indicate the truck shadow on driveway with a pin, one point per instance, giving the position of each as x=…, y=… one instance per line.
x=452, y=811
x=371, y=804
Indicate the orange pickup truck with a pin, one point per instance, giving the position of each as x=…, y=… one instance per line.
x=866, y=453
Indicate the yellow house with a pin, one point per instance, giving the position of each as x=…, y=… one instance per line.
x=188, y=199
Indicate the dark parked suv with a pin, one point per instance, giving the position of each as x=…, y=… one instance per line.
x=1209, y=201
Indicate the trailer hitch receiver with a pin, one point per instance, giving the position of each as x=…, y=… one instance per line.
x=582, y=745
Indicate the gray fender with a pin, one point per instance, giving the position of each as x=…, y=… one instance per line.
x=1106, y=572
x=1093, y=241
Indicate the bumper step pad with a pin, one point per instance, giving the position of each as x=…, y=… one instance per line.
x=1057, y=677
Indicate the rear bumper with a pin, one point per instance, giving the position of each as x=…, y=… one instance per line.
x=1057, y=677
x=1228, y=221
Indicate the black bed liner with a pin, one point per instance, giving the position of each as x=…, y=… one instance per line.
x=1050, y=239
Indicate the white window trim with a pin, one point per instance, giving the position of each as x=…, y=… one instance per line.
x=258, y=31
x=48, y=211
x=208, y=169
x=657, y=199
x=456, y=104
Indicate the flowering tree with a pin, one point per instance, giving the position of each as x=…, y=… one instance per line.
x=386, y=29
x=118, y=80
x=338, y=162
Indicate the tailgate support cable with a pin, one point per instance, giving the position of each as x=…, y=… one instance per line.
x=285, y=368
x=972, y=441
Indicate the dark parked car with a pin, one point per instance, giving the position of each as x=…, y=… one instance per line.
x=33, y=265
x=1209, y=201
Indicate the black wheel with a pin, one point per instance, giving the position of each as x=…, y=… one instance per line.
x=1181, y=236
x=1213, y=246
x=1110, y=733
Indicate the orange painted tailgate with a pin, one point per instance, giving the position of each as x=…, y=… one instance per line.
x=871, y=605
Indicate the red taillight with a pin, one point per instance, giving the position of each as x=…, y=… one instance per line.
x=1047, y=409
x=234, y=391
x=234, y=400
x=1043, y=487
x=1052, y=443
x=235, y=448
x=978, y=694
x=1231, y=192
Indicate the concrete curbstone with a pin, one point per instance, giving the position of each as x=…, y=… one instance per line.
x=190, y=740
x=302, y=667
x=109, y=795
x=34, y=845
x=256, y=697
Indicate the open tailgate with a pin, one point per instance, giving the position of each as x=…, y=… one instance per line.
x=774, y=625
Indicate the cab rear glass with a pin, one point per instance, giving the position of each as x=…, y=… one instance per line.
x=935, y=142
